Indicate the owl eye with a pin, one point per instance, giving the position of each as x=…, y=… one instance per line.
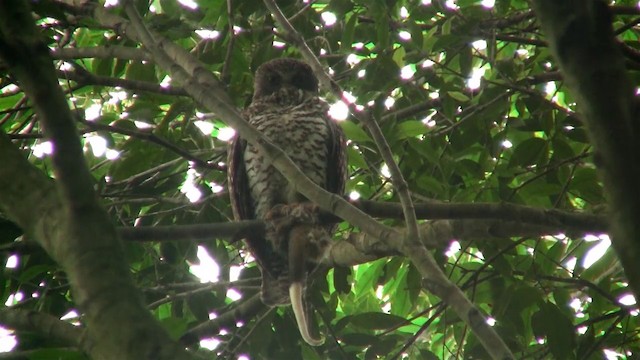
x=274, y=79
x=304, y=81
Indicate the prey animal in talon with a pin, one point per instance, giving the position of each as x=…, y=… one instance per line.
x=308, y=245
x=287, y=109
x=295, y=231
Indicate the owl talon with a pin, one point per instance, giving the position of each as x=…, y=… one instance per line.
x=281, y=218
x=305, y=213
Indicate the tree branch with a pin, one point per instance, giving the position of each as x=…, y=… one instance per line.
x=212, y=96
x=581, y=37
x=411, y=244
x=72, y=228
x=100, y=52
x=85, y=78
x=45, y=325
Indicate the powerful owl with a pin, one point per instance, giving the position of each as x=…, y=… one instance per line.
x=286, y=108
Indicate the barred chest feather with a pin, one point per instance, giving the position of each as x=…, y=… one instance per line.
x=302, y=132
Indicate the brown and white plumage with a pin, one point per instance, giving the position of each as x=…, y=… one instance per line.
x=287, y=110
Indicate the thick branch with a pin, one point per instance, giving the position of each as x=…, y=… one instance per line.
x=582, y=39
x=85, y=78
x=101, y=52
x=43, y=324
x=66, y=219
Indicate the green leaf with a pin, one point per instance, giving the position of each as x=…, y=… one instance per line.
x=410, y=128
x=529, y=152
x=141, y=71
x=552, y=324
x=358, y=339
x=49, y=354
x=355, y=132
x=175, y=326
x=376, y=321
x=458, y=96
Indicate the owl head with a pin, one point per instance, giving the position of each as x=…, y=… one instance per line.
x=287, y=73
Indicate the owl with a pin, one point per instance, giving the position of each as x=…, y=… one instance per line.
x=287, y=109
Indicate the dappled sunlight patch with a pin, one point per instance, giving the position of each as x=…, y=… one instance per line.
x=384, y=171
x=451, y=4
x=189, y=187
x=339, y=110
x=234, y=294
x=488, y=3
x=189, y=4
x=453, y=250
x=226, y=134
x=479, y=45
x=570, y=263
x=8, y=340
x=596, y=252
x=389, y=102
x=98, y=146
x=207, y=270
x=428, y=120
x=210, y=343
x=9, y=89
x=404, y=35
x=216, y=188
x=407, y=72
x=234, y=272
x=404, y=13
x=475, y=80
x=42, y=149
x=12, y=262
x=205, y=127
x=208, y=34
x=166, y=82
x=92, y=112
x=117, y=96
x=143, y=125
x=328, y=18
x=72, y=314
x=629, y=300
x=353, y=59
x=14, y=298
x=613, y=355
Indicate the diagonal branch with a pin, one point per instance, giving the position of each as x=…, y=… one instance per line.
x=212, y=96
x=411, y=246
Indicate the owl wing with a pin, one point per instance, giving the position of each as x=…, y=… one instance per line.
x=273, y=265
x=336, y=176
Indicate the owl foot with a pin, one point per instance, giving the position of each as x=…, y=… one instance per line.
x=283, y=219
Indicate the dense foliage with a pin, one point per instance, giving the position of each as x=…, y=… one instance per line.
x=475, y=111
